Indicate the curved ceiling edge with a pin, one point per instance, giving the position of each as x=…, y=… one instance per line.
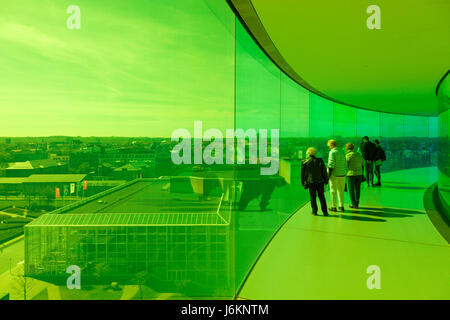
x=442, y=80
x=249, y=18
x=443, y=97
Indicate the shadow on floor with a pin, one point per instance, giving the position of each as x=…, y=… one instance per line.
x=402, y=187
x=392, y=210
x=383, y=214
x=358, y=218
x=396, y=182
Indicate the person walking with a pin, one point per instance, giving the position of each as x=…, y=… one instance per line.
x=368, y=150
x=355, y=164
x=380, y=156
x=337, y=172
x=314, y=177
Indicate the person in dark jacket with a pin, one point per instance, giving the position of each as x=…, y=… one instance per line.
x=368, y=150
x=380, y=156
x=314, y=177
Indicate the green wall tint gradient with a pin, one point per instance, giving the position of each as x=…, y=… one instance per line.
x=168, y=64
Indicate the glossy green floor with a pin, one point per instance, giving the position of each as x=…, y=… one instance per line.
x=327, y=257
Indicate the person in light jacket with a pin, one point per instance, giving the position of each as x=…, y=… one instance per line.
x=337, y=173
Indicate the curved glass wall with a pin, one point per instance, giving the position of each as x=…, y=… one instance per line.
x=156, y=74
x=443, y=134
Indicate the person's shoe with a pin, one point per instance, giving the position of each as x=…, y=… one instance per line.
x=356, y=207
x=352, y=206
x=377, y=184
x=341, y=209
x=314, y=213
x=333, y=209
x=325, y=214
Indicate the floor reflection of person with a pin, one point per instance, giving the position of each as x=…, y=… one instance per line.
x=355, y=164
x=380, y=156
x=337, y=172
x=314, y=177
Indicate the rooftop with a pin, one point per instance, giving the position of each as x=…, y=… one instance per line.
x=42, y=178
x=127, y=167
x=148, y=197
x=12, y=180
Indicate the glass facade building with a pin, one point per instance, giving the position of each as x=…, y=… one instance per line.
x=189, y=253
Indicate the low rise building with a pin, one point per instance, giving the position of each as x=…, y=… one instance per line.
x=42, y=166
x=46, y=184
x=11, y=186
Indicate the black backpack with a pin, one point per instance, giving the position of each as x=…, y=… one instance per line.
x=369, y=150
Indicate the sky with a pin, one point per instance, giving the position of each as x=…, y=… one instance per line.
x=135, y=68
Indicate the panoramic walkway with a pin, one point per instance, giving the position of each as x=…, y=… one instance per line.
x=316, y=257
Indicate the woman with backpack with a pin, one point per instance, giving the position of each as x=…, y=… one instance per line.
x=380, y=156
